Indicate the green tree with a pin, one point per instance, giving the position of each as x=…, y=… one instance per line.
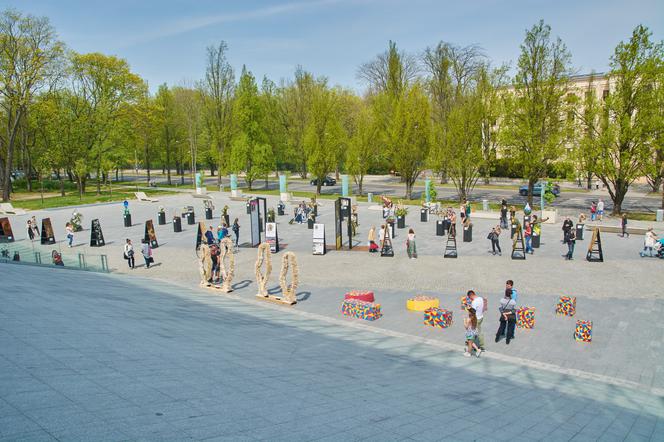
x=30, y=56
x=167, y=123
x=630, y=116
x=534, y=131
x=295, y=101
x=364, y=147
x=103, y=86
x=324, y=134
x=409, y=135
x=250, y=152
x=218, y=99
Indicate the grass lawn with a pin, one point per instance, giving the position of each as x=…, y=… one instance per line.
x=72, y=199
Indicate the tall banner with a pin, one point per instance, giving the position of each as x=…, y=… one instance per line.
x=96, y=235
x=150, y=235
x=254, y=216
x=6, y=234
x=337, y=224
x=47, y=235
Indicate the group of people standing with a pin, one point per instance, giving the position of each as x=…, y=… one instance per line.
x=146, y=252
x=33, y=229
x=222, y=232
x=474, y=338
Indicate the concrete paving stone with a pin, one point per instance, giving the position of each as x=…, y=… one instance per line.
x=31, y=436
x=239, y=437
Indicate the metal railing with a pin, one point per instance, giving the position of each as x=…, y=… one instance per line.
x=26, y=252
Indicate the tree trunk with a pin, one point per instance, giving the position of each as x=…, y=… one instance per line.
x=62, y=186
x=318, y=185
x=618, y=195
x=409, y=189
x=531, y=186
x=589, y=182
x=359, y=184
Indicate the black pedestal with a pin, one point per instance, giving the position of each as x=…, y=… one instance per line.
x=177, y=224
x=512, y=230
x=440, y=227
x=535, y=241
x=280, y=211
x=161, y=218
x=191, y=219
x=127, y=220
x=401, y=222
x=424, y=215
x=248, y=209
x=579, y=231
x=208, y=213
x=310, y=223
x=468, y=234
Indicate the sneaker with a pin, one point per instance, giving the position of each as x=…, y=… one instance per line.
x=466, y=354
x=478, y=352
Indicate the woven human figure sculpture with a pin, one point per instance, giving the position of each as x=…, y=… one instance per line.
x=289, y=261
x=204, y=264
x=227, y=263
x=264, y=257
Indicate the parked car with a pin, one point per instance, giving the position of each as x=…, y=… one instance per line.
x=537, y=189
x=327, y=181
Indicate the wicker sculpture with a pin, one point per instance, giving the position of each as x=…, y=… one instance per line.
x=264, y=256
x=289, y=261
x=227, y=270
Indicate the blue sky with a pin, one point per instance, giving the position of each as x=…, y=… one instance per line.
x=165, y=41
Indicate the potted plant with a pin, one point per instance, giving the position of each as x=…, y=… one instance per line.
x=401, y=213
x=270, y=215
x=76, y=219
x=161, y=216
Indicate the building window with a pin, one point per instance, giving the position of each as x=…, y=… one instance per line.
x=605, y=94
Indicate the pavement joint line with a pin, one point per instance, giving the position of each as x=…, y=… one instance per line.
x=552, y=368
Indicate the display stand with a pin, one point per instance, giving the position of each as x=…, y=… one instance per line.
x=535, y=240
x=200, y=234
x=319, y=239
x=150, y=236
x=468, y=233
x=424, y=215
x=6, y=234
x=518, y=246
x=161, y=218
x=595, y=253
x=341, y=214
x=440, y=227
x=451, y=247
x=386, y=246
x=579, y=231
x=96, y=235
x=177, y=224
x=272, y=237
x=47, y=235
x=127, y=219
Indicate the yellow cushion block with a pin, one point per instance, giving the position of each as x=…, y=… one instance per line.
x=421, y=303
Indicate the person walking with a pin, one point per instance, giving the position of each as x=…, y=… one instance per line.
x=528, y=235
x=479, y=304
x=600, y=209
x=567, y=226
x=35, y=227
x=503, y=214
x=507, y=318
x=236, y=231
x=129, y=254
x=452, y=224
x=593, y=211
x=411, y=248
x=146, y=251
x=70, y=233
x=494, y=236
x=648, y=242
x=470, y=323
x=31, y=233
x=623, y=225
x=570, y=240
x=373, y=247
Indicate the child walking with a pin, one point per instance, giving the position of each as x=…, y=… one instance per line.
x=470, y=323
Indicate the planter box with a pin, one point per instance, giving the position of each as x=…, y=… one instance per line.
x=161, y=218
x=422, y=303
x=360, y=295
x=177, y=224
x=401, y=222
x=361, y=310
x=440, y=227
x=208, y=213
x=438, y=317
x=566, y=306
x=468, y=234
x=127, y=220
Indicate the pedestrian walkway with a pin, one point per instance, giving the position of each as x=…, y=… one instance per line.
x=105, y=357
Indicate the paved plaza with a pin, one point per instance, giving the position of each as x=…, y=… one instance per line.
x=148, y=354
x=104, y=357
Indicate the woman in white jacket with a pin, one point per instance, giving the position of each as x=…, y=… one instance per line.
x=129, y=253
